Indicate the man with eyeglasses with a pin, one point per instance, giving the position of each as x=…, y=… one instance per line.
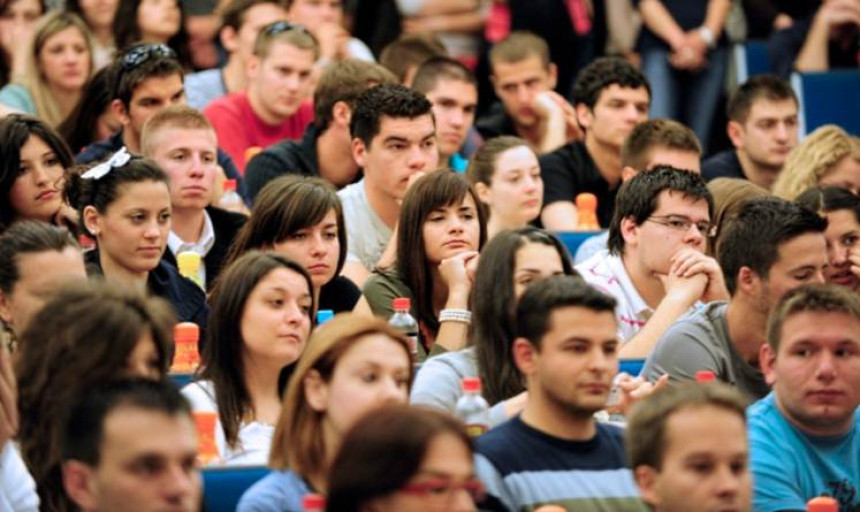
x=655, y=266
x=275, y=104
x=772, y=247
x=145, y=79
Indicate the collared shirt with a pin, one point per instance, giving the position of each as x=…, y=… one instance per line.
x=606, y=272
x=202, y=246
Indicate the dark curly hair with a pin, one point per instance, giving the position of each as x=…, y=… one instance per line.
x=387, y=100
x=602, y=73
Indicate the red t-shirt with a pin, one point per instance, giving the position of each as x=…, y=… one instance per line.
x=239, y=129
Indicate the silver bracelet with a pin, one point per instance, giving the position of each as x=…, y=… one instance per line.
x=463, y=316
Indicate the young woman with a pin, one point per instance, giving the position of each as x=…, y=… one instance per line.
x=152, y=21
x=404, y=459
x=124, y=204
x=435, y=262
x=509, y=263
x=261, y=319
x=85, y=335
x=99, y=16
x=93, y=119
x=506, y=175
x=302, y=219
x=17, y=19
x=827, y=156
x=33, y=160
x=353, y=365
x=841, y=208
x=57, y=66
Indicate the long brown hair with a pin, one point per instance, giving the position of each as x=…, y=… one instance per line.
x=298, y=442
x=81, y=338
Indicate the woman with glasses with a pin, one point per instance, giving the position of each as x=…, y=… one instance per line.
x=403, y=459
x=58, y=64
x=352, y=365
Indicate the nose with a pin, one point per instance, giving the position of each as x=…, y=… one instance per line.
x=694, y=236
x=728, y=483
x=293, y=313
x=826, y=368
x=524, y=95
x=781, y=132
x=457, y=118
x=180, y=485
x=390, y=392
x=153, y=230
x=461, y=501
x=838, y=255
x=418, y=158
x=530, y=183
x=318, y=247
x=40, y=175
x=600, y=362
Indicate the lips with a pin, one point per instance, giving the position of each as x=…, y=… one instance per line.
x=825, y=395
x=595, y=387
x=456, y=244
x=843, y=278
x=195, y=190
x=531, y=203
x=151, y=251
x=319, y=268
x=46, y=195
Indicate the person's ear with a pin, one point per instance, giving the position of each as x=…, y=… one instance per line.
x=525, y=356
x=627, y=173
x=735, y=131
x=92, y=220
x=229, y=39
x=646, y=478
x=359, y=152
x=6, y=309
x=484, y=193
x=341, y=114
x=629, y=231
x=252, y=67
x=767, y=361
x=748, y=282
x=77, y=482
x=584, y=115
x=316, y=391
x=553, y=75
x=120, y=112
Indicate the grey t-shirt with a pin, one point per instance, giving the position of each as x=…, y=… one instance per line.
x=700, y=341
x=367, y=235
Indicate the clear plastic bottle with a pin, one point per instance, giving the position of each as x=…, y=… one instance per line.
x=230, y=199
x=472, y=409
x=402, y=320
x=822, y=504
x=313, y=503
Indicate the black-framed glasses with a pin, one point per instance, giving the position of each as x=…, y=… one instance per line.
x=140, y=54
x=278, y=27
x=682, y=223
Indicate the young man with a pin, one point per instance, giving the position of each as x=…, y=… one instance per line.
x=326, y=147
x=131, y=445
x=555, y=452
x=656, y=267
x=687, y=445
x=35, y=259
x=145, y=79
x=651, y=143
x=611, y=97
x=405, y=55
x=241, y=21
x=773, y=246
x=393, y=139
x=181, y=140
x=805, y=436
x=524, y=78
x=763, y=129
x=453, y=90
x=274, y=107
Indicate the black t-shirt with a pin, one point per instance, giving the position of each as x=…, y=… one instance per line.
x=724, y=164
x=285, y=157
x=569, y=171
x=495, y=124
x=339, y=295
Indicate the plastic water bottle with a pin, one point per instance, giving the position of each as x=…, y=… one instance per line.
x=472, y=409
x=705, y=376
x=186, y=355
x=402, y=320
x=230, y=199
x=189, y=263
x=822, y=504
x=313, y=503
x=586, y=207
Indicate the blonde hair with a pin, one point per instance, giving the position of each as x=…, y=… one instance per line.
x=175, y=116
x=813, y=158
x=298, y=442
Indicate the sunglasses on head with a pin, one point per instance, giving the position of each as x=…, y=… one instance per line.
x=140, y=54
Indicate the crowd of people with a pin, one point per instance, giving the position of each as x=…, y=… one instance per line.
x=246, y=165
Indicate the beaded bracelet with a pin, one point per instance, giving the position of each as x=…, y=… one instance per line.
x=456, y=315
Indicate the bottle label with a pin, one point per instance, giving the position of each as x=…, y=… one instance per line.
x=413, y=344
x=475, y=429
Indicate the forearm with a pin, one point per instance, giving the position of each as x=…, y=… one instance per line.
x=452, y=335
x=659, y=20
x=715, y=18
x=559, y=216
x=641, y=345
x=435, y=7
x=554, y=132
x=458, y=22
x=813, y=54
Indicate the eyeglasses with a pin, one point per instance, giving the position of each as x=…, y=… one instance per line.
x=681, y=223
x=278, y=27
x=440, y=490
x=140, y=54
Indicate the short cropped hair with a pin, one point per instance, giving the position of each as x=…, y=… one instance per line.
x=753, y=238
x=233, y=14
x=811, y=298
x=657, y=133
x=441, y=68
x=646, y=426
x=760, y=86
x=84, y=430
x=603, y=72
x=28, y=237
x=126, y=76
x=345, y=81
x=545, y=296
x=519, y=46
x=638, y=198
x=410, y=51
x=285, y=32
x=387, y=100
x=174, y=116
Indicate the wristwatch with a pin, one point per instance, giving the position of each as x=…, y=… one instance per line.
x=708, y=37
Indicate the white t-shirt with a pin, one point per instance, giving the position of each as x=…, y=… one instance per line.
x=367, y=235
x=255, y=438
x=17, y=489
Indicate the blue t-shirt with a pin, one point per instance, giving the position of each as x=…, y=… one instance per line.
x=279, y=491
x=791, y=467
x=524, y=468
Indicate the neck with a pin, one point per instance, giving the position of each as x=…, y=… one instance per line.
x=187, y=224
x=260, y=110
x=761, y=175
x=118, y=273
x=233, y=74
x=334, y=158
x=831, y=430
x=130, y=141
x=387, y=208
x=646, y=283
x=261, y=381
x=606, y=158
x=531, y=134
x=66, y=100
x=104, y=35
x=496, y=224
x=547, y=416
x=747, y=326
